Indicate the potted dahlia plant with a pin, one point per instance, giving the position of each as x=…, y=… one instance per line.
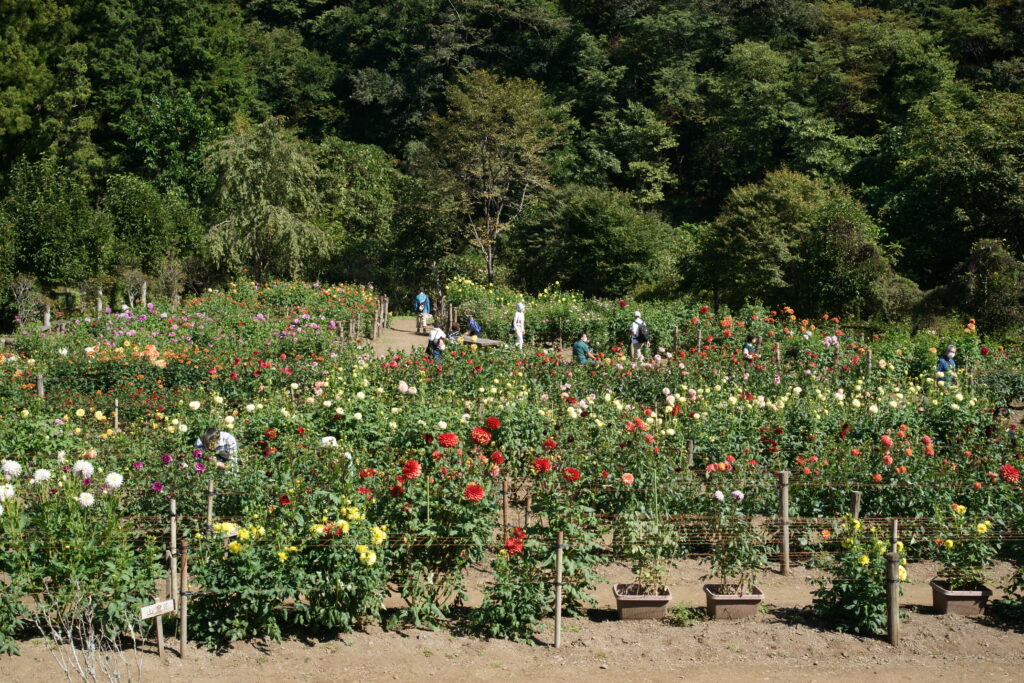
x=646, y=541
x=966, y=548
x=739, y=551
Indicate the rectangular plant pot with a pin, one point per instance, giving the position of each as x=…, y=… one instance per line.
x=732, y=606
x=632, y=604
x=969, y=602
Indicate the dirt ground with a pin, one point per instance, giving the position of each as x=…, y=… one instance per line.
x=783, y=643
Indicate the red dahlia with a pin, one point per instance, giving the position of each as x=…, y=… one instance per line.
x=497, y=458
x=493, y=423
x=514, y=546
x=367, y=473
x=481, y=436
x=271, y=433
x=1009, y=474
x=448, y=440
x=571, y=474
x=542, y=465
x=411, y=469
x=396, y=490
x=549, y=444
x=284, y=500
x=474, y=492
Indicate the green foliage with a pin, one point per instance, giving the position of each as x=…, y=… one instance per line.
x=965, y=546
x=268, y=200
x=517, y=597
x=851, y=595
x=990, y=287
x=148, y=225
x=739, y=547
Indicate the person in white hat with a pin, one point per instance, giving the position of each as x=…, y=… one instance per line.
x=638, y=336
x=519, y=323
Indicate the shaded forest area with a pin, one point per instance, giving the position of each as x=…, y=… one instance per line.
x=860, y=158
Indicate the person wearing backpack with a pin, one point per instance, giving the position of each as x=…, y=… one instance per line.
x=421, y=307
x=639, y=336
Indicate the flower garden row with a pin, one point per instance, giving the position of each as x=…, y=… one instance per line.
x=358, y=476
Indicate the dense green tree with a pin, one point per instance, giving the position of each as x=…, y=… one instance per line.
x=597, y=242
x=268, y=201
x=489, y=148
x=61, y=238
x=955, y=174
x=989, y=285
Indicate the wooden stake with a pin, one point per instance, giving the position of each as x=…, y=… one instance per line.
x=689, y=454
x=558, y=591
x=778, y=354
x=99, y=300
x=117, y=414
x=183, y=604
x=160, y=635
x=784, y=519
x=892, y=588
x=526, y=512
x=209, y=506
x=40, y=387
x=871, y=365
x=505, y=492
x=675, y=338
x=855, y=504
x=174, y=547
x=145, y=289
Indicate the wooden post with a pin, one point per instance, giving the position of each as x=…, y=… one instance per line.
x=675, y=338
x=558, y=591
x=855, y=504
x=40, y=387
x=46, y=318
x=183, y=604
x=387, y=311
x=174, y=548
x=505, y=493
x=359, y=324
x=689, y=454
x=892, y=587
x=870, y=363
x=778, y=355
x=99, y=300
x=117, y=414
x=160, y=635
x=784, y=519
x=143, y=297
x=209, y=506
x=526, y=512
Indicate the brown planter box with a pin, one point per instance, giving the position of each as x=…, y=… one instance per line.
x=969, y=602
x=635, y=605
x=732, y=606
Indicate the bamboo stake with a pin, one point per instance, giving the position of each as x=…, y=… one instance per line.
x=689, y=454
x=784, y=518
x=505, y=492
x=892, y=587
x=183, y=608
x=209, y=506
x=855, y=504
x=174, y=547
x=558, y=591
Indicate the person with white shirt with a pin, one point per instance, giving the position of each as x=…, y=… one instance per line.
x=436, y=342
x=519, y=323
x=221, y=446
x=638, y=336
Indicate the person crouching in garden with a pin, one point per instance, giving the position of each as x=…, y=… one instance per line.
x=436, y=342
x=219, y=446
x=945, y=369
x=750, y=348
x=581, y=350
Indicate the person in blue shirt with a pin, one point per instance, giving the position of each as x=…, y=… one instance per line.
x=473, y=325
x=945, y=369
x=421, y=307
x=581, y=350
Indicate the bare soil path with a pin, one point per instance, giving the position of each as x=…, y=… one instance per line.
x=785, y=643
x=401, y=336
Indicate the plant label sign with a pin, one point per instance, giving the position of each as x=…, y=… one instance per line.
x=158, y=609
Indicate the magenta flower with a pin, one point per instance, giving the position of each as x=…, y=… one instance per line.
x=166, y=458
x=200, y=467
x=157, y=486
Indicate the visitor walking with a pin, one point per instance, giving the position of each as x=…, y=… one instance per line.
x=639, y=335
x=421, y=307
x=519, y=323
x=581, y=351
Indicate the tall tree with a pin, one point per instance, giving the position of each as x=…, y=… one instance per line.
x=489, y=147
x=268, y=199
